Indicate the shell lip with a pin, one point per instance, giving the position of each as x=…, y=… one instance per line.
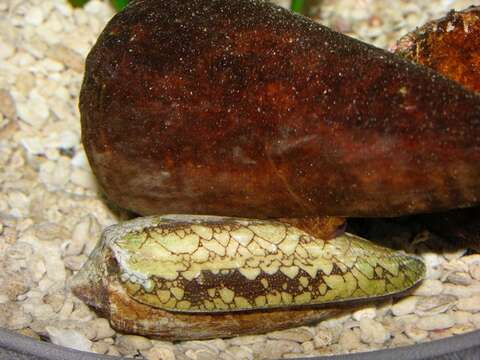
x=337, y=305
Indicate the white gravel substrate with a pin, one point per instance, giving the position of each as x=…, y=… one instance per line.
x=51, y=215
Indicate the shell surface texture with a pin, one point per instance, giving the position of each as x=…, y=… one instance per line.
x=241, y=108
x=199, y=266
x=209, y=264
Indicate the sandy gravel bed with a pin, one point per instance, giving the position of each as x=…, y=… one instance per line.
x=51, y=214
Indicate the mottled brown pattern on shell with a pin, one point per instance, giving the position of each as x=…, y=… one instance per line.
x=241, y=108
x=130, y=316
x=108, y=297
x=196, y=292
x=211, y=264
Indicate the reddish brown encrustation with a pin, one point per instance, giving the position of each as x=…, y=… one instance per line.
x=450, y=45
x=241, y=108
x=323, y=227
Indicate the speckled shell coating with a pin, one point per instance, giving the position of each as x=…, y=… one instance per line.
x=236, y=269
x=241, y=108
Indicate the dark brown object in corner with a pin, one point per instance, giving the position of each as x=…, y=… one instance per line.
x=451, y=46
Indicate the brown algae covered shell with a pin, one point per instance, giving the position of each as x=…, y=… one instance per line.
x=242, y=108
x=195, y=274
x=450, y=45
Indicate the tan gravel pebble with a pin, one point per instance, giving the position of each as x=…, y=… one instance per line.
x=436, y=322
x=308, y=347
x=200, y=354
x=67, y=56
x=75, y=263
x=475, y=271
x=429, y=288
x=461, y=328
x=471, y=304
x=100, y=347
x=416, y=334
x=6, y=50
x=13, y=285
x=19, y=320
x=323, y=337
x=460, y=278
x=366, y=313
x=102, y=328
x=132, y=343
x=200, y=347
x=435, y=305
x=456, y=265
x=70, y=338
x=113, y=351
x=373, y=332
x=461, y=291
x=405, y=306
x=475, y=319
x=7, y=104
x=274, y=349
x=81, y=312
x=157, y=353
x=241, y=352
x=407, y=319
x=247, y=340
x=55, y=300
x=461, y=317
x=349, y=340
x=471, y=260
x=299, y=335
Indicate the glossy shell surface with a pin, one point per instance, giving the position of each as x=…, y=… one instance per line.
x=215, y=264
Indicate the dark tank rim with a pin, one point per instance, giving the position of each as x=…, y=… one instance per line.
x=466, y=346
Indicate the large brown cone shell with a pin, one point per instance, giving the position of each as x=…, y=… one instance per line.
x=240, y=108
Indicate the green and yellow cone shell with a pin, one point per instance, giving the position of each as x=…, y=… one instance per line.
x=210, y=264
